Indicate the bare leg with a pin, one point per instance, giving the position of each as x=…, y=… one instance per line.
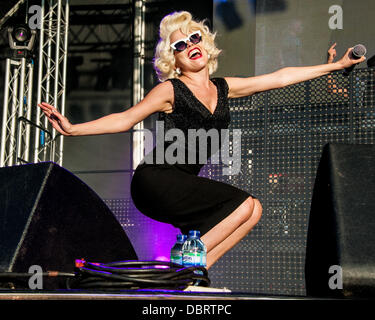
x=217, y=252
x=226, y=234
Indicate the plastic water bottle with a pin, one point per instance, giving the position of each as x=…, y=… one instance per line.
x=194, y=251
x=176, y=251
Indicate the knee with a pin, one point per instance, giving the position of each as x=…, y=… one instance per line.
x=257, y=211
x=250, y=208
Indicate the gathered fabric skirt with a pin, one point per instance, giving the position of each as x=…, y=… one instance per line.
x=175, y=194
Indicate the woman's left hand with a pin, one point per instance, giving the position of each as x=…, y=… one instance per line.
x=347, y=61
x=331, y=53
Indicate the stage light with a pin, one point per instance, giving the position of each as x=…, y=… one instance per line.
x=21, y=34
x=21, y=41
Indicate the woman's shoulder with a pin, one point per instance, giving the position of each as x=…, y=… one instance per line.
x=162, y=94
x=165, y=87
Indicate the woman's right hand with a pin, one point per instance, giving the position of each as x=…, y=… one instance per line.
x=58, y=121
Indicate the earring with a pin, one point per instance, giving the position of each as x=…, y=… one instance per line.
x=209, y=56
x=178, y=71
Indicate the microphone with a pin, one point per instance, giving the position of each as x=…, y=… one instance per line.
x=357, y=52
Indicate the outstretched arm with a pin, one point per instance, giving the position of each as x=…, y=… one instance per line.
x=159, y=98
x=241, y=87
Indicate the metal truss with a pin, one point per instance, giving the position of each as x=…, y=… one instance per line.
x=98, y=28
x=19, y=129
x=138, y=77
x=15, y=133
x=53, y=43
x=27, y=136
x=11, y=12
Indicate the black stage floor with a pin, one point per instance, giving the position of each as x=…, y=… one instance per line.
x=140, y=295
x=191, y=293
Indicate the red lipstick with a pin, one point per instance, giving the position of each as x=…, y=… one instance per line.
x=197, y=55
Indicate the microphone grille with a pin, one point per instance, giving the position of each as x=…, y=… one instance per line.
x=359, y=50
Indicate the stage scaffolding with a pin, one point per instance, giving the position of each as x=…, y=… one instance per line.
x=138, y=77
x=15, y=133
x=26, y=137
x=53, y=44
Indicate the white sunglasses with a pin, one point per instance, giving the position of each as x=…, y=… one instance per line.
x=180, y=45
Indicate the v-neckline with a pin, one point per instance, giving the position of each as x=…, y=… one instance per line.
x=200, y=102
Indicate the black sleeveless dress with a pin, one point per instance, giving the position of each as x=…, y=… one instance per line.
x=174, y=193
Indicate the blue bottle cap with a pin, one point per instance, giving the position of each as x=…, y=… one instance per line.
x=181, y=237
x=194, y=233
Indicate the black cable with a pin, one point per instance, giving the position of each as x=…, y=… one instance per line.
x=19, y=280
x=137, y=275
x=123, y=275
x=12, y=275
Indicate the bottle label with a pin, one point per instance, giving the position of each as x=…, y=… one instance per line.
x=176, y=259
x=194, y=259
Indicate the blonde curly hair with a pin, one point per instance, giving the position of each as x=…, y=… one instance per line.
x=164, y=61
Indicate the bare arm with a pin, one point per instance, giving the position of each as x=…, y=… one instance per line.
x=159, y=98
x=241, y=87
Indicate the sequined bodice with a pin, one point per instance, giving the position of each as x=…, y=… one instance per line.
x=190, y=113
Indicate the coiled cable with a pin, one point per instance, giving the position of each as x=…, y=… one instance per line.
x=120, y=275
x=134, y=274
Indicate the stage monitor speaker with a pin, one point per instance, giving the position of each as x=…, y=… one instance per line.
x=340, y=252
x=49, y=218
